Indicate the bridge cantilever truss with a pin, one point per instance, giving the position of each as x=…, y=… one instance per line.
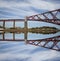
x=50, y=43
x=50, y=17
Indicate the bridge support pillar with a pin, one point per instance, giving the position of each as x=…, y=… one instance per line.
x=26, y=29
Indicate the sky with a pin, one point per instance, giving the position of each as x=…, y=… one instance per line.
x=21, y=8
x=19, y=51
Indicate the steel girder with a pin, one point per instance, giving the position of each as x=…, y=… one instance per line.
x=50, y=17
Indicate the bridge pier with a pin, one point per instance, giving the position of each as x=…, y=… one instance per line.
x=26, y=28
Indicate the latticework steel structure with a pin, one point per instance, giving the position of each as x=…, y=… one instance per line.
x=50, y=43
x=50, y=17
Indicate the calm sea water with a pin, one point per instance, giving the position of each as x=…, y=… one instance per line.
x=30, y=35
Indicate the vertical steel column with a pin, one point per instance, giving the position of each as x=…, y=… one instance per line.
x=14, y=27
x=25, y=28
x=3, y=29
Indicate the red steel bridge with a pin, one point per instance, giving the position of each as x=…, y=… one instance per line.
x=50, y=17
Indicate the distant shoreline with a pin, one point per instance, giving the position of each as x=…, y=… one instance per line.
x=42, y=30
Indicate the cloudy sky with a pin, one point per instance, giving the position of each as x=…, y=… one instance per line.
x=22, y=8
x=19, y=51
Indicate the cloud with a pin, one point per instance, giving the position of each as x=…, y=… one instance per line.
x=13, y=57
x=38, y=56
x=44, y=55
x=53, y=59
x=53, y=1
x=19, y=51
x=41, y=4
x=17, y=47
x=20, y=9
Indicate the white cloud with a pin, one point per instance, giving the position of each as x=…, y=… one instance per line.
x=15, y=8
x=16, y=47
x=20, y=51
x=8, y=56
x=38, y=56
x=24, y=8
x=40, y=4
x=44, y=55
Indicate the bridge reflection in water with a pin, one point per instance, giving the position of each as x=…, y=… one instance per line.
x=52, y=42
x=15, y=33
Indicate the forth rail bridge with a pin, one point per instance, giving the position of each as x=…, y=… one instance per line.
x=50, y=43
